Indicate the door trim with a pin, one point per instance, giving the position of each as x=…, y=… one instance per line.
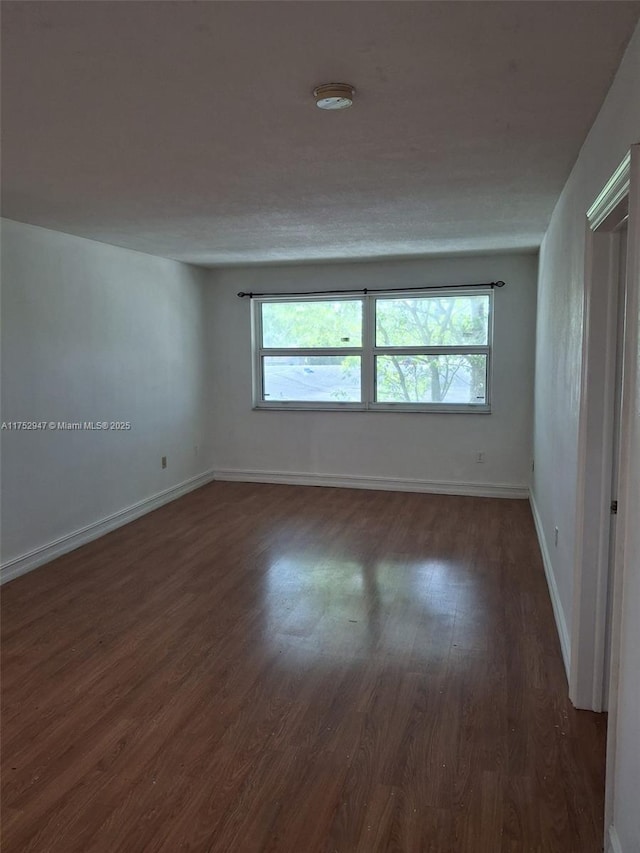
x=613, y=192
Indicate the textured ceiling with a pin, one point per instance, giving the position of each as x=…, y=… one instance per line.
x=188, y=130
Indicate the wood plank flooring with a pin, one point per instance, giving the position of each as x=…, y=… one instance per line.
x=296, y=670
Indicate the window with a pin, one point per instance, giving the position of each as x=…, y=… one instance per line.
x=411, y=351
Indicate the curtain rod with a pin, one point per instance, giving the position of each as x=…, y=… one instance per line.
x=366, y=290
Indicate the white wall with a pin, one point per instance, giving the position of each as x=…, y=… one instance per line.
x=438, y=448
x=92, y=332
x=557, y=390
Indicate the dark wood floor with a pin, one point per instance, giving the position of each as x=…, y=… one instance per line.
x=296, y=670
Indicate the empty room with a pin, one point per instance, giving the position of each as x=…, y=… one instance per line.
x=320, y=426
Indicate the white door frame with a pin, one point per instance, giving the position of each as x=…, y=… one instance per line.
x=595, y=455
x=595, y=438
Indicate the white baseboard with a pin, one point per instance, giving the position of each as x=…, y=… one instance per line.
x=613, y=845
x=44, y=554
x=485, y=490
x=558, y=612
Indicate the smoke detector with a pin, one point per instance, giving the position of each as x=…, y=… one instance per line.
x=333, y=96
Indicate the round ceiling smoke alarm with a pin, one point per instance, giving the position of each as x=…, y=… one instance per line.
x=333, y=96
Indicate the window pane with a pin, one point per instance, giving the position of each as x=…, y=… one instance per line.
x=298, y=325
x=447, y=379
x=323, y=378
x=433, y=321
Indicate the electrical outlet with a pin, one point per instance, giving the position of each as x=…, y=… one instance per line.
x=555, y=537
x=480, y=456
x=164, y=461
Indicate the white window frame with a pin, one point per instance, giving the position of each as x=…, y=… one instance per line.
x=367, y=352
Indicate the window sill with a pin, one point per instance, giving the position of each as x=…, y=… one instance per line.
x=375, y=407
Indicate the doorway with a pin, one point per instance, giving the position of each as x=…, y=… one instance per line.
x=608, y=542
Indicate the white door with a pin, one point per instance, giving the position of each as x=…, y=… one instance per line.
x=615, y=462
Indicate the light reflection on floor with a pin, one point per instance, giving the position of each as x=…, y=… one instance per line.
x=322, y=608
